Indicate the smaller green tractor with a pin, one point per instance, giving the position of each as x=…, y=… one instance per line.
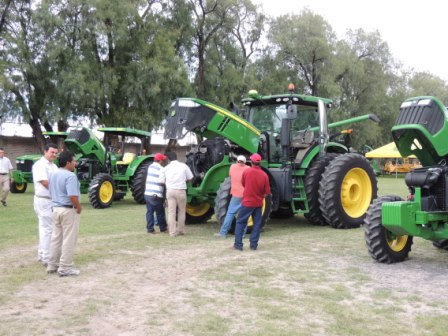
x=108, y=169
x=23, y=174
x=421, y=129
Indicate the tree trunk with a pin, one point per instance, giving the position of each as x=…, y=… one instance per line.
x=37, y=133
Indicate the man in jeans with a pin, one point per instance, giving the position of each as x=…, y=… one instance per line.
x=256, y=187
x=154, y=192
x=65, y=194
x=236, y=190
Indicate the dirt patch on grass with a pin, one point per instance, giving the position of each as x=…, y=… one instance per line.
x=298, y=282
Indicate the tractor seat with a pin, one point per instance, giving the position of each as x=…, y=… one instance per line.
x=127, y=158
x=303, y=139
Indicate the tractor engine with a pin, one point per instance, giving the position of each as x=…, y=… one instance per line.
x=433, y=182
x=202, y=157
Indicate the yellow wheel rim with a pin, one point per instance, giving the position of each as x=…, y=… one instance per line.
x=250, y=221
x=197, y=210
x=106, y=192
x=356, y=192
x=20, y=186
x=397, y=243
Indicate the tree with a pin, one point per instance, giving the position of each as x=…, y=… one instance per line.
x=26, y=69
x=303, y=45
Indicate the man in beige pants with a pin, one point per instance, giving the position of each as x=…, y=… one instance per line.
x=175, y=176
x=5, y=168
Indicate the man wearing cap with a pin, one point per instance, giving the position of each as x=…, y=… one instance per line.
x=154, y=193
x=256, y=187
x=236, y=190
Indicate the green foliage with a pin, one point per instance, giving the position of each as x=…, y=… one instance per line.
x=120, y=63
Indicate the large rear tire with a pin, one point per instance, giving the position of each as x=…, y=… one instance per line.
x=101, y=191
x=138, y=183
x=18, y=188
x=346, y=190
x=383, y=245
x=312, y=181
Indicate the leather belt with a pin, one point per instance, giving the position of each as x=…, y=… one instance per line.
x=3, y=173
x=65, y=206
x=46, y=197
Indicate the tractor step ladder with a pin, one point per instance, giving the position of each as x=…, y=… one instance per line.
x=298, y=193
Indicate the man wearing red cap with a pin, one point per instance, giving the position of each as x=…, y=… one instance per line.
x=154, y=192
x=256, y=187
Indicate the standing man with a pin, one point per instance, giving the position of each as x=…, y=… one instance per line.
x=65, y=194
x=42, y=170
x=154, y=193
x=256, y=187
x=5, y=168
x=175, y=176
x=236, y=190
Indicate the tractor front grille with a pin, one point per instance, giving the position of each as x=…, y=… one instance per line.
x=429, y=115
x=25, y=166
x=80, y=135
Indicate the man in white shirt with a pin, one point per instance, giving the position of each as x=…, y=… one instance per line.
x=5, y=168
x=42, y=170
x=175, y=176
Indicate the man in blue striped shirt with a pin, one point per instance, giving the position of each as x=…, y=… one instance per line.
x=154, y=195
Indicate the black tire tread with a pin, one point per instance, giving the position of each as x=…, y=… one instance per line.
x=375, y=234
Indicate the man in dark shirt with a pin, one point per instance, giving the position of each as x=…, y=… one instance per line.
x=256, y=188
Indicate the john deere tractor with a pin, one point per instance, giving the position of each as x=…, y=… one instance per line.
x=391, y=223
x=309, y=172
x=23, y=174
x=108, y=170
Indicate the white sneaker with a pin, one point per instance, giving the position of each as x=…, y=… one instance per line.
x=70, y=272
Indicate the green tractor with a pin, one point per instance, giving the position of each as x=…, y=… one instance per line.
x=23, y=174
x=108, y=170
x=309, y=171
x=391, y=223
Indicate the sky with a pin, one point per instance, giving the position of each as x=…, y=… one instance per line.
x=415, y=31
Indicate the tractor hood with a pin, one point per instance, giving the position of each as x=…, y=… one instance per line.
x=209, y=121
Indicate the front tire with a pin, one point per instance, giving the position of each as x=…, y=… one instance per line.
x=346, y=190
x=101, y=191
x=18, y=188
x=222, y=202
x=198, y=213
x=383, y=245
x=441, y=244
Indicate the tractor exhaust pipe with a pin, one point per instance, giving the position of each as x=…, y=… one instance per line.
x=324, y=135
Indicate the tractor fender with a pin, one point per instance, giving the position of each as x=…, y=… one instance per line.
x=333, y=147
x=130, y=171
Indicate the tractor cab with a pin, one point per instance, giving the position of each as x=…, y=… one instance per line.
x=124, y=145
x=289, y=123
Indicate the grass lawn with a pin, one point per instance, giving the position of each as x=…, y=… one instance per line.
x=303, y=280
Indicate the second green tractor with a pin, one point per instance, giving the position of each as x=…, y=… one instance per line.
x=310, y=171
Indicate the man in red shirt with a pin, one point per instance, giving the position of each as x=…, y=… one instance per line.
x=256, y=187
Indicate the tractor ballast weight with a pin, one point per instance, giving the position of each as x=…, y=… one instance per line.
x=105, y=175
x=290, y=132
x=421, y=129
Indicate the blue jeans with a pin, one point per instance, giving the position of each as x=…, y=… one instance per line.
x=234, y=206
x=155, y=205
x=241, y=224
